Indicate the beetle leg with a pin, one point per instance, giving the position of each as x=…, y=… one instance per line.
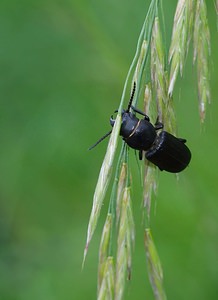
x=158, y=125
x=140, y=112
x=140, y=154
x=112, y=121
x=182, y=140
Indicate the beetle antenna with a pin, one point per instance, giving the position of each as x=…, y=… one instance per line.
x=100, y=140
x=131, y=98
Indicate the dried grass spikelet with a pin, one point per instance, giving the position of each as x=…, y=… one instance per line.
x=120, y=190
x=103, y=182
x=104, y=250
x=106, y=290
x=202, y=55
x=150, y=187
x=158, y=74
x=124, y=245
x=141, y=60
x=159, y=79
x=183, y=22
x=130, y=237
x=154, y=266
x=148, y=108
x=125, y=240
x=150, y=171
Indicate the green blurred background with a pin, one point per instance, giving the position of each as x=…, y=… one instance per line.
x=62, y=69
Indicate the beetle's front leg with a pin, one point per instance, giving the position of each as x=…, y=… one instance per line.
x=140, y=112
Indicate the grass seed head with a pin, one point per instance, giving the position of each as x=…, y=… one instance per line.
x=202, y=56
x=154, y=267
x=181, y=36
x=102, y=183
x=104, y=249
x=106, y=290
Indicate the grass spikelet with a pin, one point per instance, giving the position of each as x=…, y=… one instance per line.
x=150, y=172
x=130, y=237
x=143, y=45
x=154, y=267
x=201, y=55
x=103, y=181
x=158, y=73
x=120, y=189
x=123, y=208
x=104, y=249
x=107, y=286
x=159, y=79
x=113, y=217
x=150, y=186
x=122, y=257
x=148, y=108
x=141, y=59
x=180, y=40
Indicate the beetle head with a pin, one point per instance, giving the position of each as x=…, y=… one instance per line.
x=128, y=121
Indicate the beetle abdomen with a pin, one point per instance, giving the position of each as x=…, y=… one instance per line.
x=169, y=153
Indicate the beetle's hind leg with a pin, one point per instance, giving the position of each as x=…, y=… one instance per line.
x=182, y=140
x=158, y=125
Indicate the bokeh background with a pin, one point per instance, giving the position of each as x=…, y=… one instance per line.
x=62, y=69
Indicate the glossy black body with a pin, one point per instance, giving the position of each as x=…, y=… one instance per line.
x=164, y=150
x=138, y=134
x=169, y=153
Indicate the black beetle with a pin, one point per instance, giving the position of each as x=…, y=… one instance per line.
x=164, y=150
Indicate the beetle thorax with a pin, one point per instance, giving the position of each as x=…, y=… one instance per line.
x=138, y=134
x=129, y=123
